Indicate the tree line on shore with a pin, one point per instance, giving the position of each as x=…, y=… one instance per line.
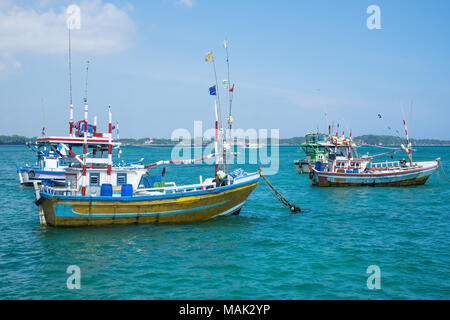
x=295, y=141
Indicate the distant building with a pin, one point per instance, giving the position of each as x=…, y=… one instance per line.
x=149, y=141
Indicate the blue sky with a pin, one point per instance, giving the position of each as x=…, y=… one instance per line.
x=291, y=61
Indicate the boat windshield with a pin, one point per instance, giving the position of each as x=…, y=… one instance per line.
x=314, y=149
x=343, y=152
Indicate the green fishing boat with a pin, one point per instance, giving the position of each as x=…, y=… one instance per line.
x=314, y=151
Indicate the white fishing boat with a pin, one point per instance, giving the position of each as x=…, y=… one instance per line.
x=315, y=151
x=49, y=166
x=346, y=168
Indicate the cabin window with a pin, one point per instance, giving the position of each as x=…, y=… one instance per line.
x=309, y=149
x=62, y=162
x=121, y=179
x=94, y=179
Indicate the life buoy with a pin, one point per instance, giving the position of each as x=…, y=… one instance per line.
x=31, y=174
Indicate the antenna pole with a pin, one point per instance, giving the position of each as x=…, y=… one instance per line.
x=86, y=88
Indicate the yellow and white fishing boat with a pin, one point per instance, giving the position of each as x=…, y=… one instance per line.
x=169, y=204
x=98, y=192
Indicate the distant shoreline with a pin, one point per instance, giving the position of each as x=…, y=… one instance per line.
x=374, y=140
x=168, y=146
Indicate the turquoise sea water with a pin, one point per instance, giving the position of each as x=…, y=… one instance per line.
x=264, y=253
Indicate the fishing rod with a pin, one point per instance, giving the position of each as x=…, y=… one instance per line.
x=381, y=147
x=385, y=153
x=396, y=134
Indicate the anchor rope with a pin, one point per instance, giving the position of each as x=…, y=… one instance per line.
x=443, y=172
x=278, y=195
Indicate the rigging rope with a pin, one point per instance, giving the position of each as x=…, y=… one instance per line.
x=283, y=200
x=443, y=172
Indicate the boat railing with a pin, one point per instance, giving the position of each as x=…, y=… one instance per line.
x=59, y=191
x=175, y=189
x=170, y=187
x=384, y=165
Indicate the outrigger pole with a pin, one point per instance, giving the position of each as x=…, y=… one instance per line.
x=189, y=161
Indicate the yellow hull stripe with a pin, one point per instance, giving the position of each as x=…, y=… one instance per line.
x=183, y=209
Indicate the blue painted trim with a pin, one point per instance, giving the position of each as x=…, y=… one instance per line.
x=56, y=179
x=106, y=215
x=37, y=171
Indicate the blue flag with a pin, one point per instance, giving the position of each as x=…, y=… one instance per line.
x=212, y=90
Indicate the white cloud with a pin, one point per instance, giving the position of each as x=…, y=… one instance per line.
x=186, y=3
x=8, y=64
x=105, y=28
x=5, y=3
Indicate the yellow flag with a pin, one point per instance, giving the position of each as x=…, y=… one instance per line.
x=209, y=57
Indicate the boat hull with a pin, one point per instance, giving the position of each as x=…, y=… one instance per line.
x=29, y=175
x=417, y=176
x=302, y=166
x=175, y=208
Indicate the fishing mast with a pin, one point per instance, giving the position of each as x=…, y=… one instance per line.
x=85, y=134
x=70, y=86
x=230, y=99
x=408, y=145
x=219, y=151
